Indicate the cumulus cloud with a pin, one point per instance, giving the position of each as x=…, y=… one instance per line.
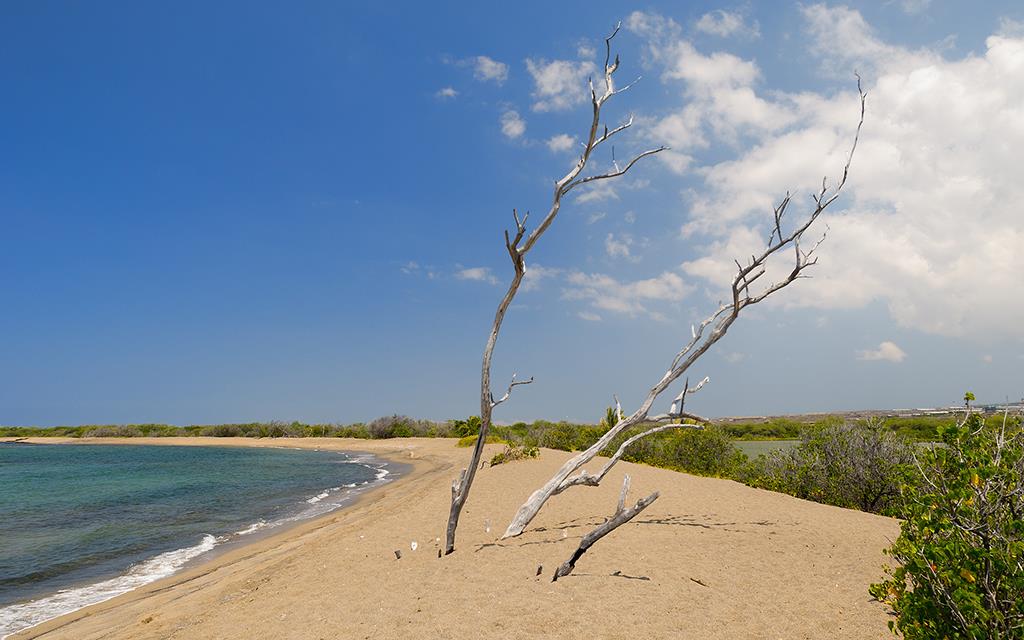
x=930, y=222
x=512, y=125
x=561, y=142
x=603, y=292
x=478, y=274
x=728, y=23
x=446, y=93
x=887, y=351
x=489, y=70
x=559, y=84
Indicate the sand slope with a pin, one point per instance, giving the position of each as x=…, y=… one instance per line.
x=771, y=566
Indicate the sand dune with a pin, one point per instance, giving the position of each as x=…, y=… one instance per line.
x=710, y=559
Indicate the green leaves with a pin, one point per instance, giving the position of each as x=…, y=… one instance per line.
x=961, y=542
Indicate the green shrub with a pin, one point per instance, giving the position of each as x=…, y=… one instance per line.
x=514, y=452
x=961, y=544
x=846, y=465
x=708, y=451
x=469, y=441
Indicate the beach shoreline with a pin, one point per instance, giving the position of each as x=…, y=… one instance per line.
x=399, y=468
x=710, y=559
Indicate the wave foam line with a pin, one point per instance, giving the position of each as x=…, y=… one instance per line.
x=28, y=614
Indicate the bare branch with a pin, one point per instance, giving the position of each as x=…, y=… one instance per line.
x=614, y=174
x=508, y=392
x=619, y=518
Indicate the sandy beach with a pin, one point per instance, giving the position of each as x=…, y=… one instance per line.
x=710, y=559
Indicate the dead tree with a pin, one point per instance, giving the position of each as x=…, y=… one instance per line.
x=621, y=516
x=518, y=246
x=743, y=294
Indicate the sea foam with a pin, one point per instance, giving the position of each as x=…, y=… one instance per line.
x=27, y=614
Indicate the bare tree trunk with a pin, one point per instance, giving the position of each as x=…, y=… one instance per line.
x=721, y=320
x=517, y=248
x=621, y=516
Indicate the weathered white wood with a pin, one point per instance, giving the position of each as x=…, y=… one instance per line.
x=517, y=248
x=621, y=516
x=720, y=321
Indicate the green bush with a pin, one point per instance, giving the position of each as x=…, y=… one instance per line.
x=514, y=452
x=841, y=464
x=469, y=441
x=961, y=544
x=708, y=451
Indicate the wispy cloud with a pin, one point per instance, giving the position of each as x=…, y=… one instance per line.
x=606, y=293
x=478, y=274
x=620, y=247
x=728, y=23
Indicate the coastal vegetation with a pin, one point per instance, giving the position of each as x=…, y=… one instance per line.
x=960, y=572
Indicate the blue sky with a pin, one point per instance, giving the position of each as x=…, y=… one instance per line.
x=251, y=211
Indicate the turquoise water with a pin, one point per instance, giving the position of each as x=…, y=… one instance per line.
x=82, y=523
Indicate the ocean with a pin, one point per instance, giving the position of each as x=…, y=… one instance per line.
x=83, y=523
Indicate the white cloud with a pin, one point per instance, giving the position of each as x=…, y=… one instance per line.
x=887, y=351
x=410, y=268
x=478, y=274
x=489, y=70
x=597, y=191
x=595, y=217
x=536, y=274
x=446, y=93
x=589, y=316
x=733, y=357
x=608, y=294
x=620, y=247
x=561, y=142
x=987, y=358
x=930, y=222
x=559, y=84
x=728, y=23
x=512, y=125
